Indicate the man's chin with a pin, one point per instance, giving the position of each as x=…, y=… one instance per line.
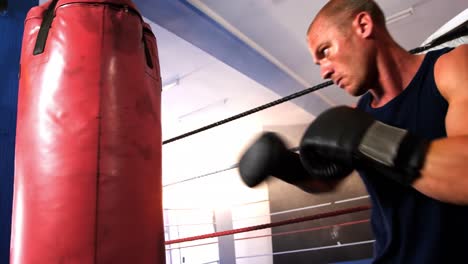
x=353, y=91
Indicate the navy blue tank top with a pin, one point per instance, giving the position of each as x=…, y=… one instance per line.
x=410, y=227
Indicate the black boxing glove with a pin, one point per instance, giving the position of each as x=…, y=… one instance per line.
x=269, y=156
x=351, y=137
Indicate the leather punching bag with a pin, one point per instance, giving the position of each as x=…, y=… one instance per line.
x=88, y=144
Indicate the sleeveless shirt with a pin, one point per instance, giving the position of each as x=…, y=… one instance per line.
x=408, y=226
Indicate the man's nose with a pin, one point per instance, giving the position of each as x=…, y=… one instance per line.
x=326, y=71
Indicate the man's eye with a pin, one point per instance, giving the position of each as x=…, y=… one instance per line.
x=325, y=52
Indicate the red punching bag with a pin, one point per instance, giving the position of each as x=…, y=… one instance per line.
x=88, y=144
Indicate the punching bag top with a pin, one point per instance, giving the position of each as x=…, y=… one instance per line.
x=52, y=6
x=38, y=11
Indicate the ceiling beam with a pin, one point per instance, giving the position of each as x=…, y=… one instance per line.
x=192, y=25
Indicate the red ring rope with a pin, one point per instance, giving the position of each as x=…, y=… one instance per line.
x=279, y=223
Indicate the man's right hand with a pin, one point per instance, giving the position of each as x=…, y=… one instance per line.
x=269, y=156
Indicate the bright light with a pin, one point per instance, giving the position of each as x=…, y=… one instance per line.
x=168, y=85
x=400, y=15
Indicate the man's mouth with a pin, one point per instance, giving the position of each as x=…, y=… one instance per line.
x=338, y=82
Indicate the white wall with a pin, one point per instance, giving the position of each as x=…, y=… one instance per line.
x=251, y=244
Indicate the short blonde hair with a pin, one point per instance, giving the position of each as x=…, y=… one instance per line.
x=342, y=12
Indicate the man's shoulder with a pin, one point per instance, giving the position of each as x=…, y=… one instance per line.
x=451, y=65
x=452, y=55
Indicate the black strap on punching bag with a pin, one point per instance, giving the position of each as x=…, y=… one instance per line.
x=47, y=22
x=149, y=61
x=44, y=30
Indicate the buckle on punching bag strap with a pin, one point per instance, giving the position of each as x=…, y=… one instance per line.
x=44, y=30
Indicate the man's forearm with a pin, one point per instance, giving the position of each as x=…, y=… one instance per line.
x=444, y=175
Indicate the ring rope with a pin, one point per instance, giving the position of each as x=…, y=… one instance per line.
x=436, y=42
x=269, y=225
x=279, y=234
x=233, y=166
x=251, y=111
x=308, y=229
x=203, y=175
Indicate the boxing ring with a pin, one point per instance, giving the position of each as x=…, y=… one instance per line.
x=113, y=132
x=295, y=223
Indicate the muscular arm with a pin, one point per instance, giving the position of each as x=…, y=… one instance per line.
x=445, y=173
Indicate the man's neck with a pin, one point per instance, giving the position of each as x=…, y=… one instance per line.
x=395, y=68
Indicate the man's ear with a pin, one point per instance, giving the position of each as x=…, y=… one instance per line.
x=363, y=25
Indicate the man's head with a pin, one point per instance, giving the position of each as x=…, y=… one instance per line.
x=343, y=38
